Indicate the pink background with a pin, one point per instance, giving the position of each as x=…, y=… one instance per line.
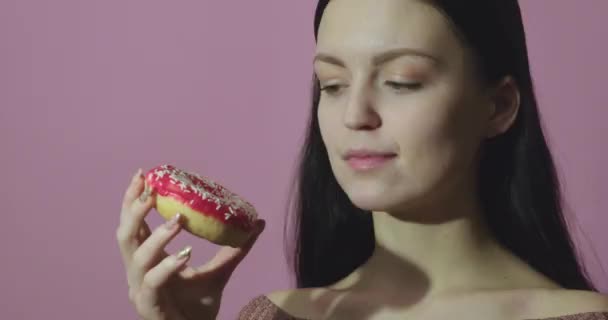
x=92, y=90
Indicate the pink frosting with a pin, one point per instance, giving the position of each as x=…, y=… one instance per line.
x=202, y=195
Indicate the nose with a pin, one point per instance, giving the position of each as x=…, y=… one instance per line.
x=360, y=112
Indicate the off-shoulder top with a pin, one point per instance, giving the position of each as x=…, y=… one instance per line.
x=261, y=308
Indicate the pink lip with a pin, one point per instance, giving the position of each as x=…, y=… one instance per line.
x=368, y=162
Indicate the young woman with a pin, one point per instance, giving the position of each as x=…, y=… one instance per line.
x=426, y=188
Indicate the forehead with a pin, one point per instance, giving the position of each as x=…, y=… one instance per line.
x=362, y=26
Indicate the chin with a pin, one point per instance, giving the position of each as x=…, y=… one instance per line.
x=372, y=199
x=382, y=191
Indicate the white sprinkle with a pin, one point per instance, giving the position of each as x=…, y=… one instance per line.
x=208, y=190
x=159, y=174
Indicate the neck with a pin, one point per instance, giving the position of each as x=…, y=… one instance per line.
x=434, y=257
x=440, y=249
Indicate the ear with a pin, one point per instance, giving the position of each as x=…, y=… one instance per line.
x=505, y=101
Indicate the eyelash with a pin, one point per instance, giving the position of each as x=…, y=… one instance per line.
x=397, y=86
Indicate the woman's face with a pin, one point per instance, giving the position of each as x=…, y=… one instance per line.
x=420, y=103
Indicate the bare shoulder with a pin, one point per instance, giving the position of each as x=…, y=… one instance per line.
x=278, y=297
x=308, y=294
x=558, y=302
x=579, y=300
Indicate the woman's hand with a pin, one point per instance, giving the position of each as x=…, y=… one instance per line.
x=163, y=286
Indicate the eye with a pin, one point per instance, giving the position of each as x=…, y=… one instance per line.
x=400, y=86
x=331, y=89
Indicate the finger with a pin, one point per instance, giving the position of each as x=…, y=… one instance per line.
x=151, y=251
x=228, y=258
x=143, y=233
x=132, y=191
x=147, y=296
x=139, y=208
x=158, y=276
x=128, y=243
x=132, y=218
x=133, y=229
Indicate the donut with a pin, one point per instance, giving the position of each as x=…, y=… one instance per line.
x=209, y=210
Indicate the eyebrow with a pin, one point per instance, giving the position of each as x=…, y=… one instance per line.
x=378, y=59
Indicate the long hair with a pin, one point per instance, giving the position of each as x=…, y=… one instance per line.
x=519, y=187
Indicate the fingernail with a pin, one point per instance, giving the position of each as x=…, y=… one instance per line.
x=138, y=173
x=144, y=195
x=185, y=252
x=171, y=223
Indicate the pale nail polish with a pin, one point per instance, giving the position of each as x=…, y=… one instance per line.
x=147, y=191
x=171, y=223
x=144, y=196
x=185, y=252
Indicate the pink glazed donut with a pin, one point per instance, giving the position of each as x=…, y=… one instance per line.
x=209, y=210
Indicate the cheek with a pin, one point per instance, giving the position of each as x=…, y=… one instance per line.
x=324, y=124
x=329, y=124
x=436, y=141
